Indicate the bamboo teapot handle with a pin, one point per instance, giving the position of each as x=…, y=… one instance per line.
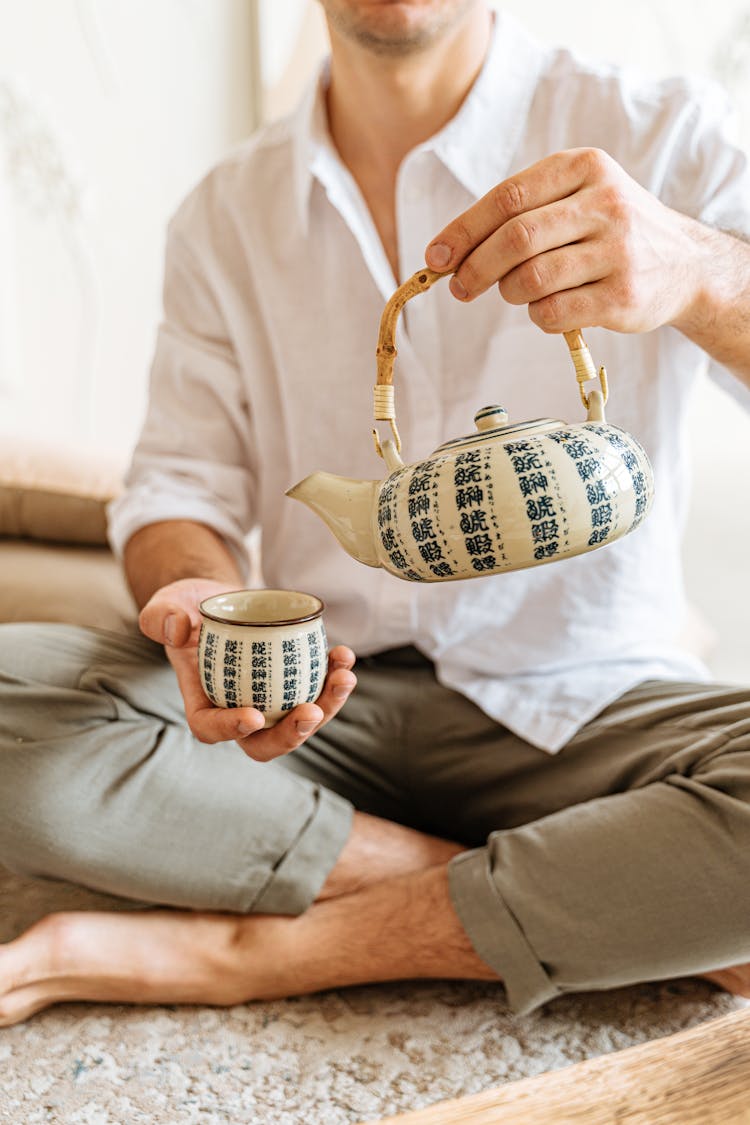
x=420, y=282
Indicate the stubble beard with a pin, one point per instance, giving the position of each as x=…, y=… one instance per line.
x=388, y=38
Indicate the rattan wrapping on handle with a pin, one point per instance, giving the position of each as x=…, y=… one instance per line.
x=384, y=403
x=584, y=364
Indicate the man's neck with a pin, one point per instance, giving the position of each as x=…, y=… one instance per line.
x=380, y=107
x=387, y=106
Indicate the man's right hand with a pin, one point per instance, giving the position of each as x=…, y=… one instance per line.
x=172, y=617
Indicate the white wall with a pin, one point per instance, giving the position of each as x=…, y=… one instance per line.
x=109, y=112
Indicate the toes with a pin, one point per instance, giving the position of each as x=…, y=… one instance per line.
x=739, y=983
x=21, y=1004
x=735, y=980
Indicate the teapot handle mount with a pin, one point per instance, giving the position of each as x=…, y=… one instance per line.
x=420, y=282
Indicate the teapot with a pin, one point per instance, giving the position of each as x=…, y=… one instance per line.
x=507, y=496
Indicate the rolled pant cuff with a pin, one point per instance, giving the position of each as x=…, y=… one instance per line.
x=495, y=933
x=297, y=878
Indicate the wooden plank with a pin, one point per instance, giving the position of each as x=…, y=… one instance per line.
x=696, y=1077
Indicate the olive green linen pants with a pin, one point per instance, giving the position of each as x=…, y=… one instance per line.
x=624, y=858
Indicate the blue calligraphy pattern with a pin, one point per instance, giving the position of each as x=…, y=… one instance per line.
x=632, y=464
x=420, y=486
x=260, y=671
x=542, y=509
x=290, y=660
x=386, y=525
x=587, y=461
x=316, y=654
x=423, y=519
x=209, y=664
x=230, y=671
x=499, y=546
x=472, y=480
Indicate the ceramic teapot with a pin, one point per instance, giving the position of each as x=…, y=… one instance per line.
x=510, y=495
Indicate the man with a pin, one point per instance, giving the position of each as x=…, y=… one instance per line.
x=532, y=783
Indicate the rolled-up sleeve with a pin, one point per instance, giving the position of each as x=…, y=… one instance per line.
x=194, y=458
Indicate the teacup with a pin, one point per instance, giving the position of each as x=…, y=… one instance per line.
x=262, y=648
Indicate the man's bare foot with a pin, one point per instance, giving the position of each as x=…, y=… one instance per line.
x=735, y=980
x=149, y=957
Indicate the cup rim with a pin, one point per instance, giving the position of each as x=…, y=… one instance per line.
x=260, y=624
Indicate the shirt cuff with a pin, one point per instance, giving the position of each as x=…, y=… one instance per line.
x=126, y=515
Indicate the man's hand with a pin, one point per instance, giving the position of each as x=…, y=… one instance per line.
x=172, y=618
x=582, y=244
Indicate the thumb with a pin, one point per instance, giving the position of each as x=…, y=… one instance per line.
x=165, y=623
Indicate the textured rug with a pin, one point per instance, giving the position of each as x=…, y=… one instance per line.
x=339, y=1057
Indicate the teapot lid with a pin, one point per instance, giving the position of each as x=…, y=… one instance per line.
x=492, y=423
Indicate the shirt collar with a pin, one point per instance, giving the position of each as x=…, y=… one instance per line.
x=310, y=139
x=476, y=145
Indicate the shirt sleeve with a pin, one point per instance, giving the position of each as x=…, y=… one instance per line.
x=194, y=459
x=710, y=181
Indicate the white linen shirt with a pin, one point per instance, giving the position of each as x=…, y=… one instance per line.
x=265, y=362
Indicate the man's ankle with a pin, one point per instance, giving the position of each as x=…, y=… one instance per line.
x=381, y=849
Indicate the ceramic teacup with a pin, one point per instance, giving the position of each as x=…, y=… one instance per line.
x=262, y=648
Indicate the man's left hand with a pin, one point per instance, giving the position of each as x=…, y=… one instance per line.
x=581, y=243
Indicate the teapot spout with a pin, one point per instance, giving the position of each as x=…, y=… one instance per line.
x=347, y=506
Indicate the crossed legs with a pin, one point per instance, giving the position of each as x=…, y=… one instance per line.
x=383, y=914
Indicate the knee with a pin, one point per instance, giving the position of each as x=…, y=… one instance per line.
x=39, y=831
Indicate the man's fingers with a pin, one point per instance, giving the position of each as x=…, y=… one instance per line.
x=338, y=687
x=554, y=178
x=340, y=681
x=220, y=724
x=245, y=725
x=582, y=307
x=550, y=179
x=557, y=270
x=340, y=656
x=289, y=733
x=304, y=720
x=209, y=723
x=519, y=243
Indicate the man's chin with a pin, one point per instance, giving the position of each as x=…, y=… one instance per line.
x=395, y=27
x=395, y=45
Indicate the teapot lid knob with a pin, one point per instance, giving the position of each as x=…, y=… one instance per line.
x=490, y=417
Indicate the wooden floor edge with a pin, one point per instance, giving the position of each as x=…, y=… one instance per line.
x=696, y=1077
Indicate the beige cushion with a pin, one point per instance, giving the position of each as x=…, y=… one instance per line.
x=62, y=582
x=54, y=562
x=55, y=492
